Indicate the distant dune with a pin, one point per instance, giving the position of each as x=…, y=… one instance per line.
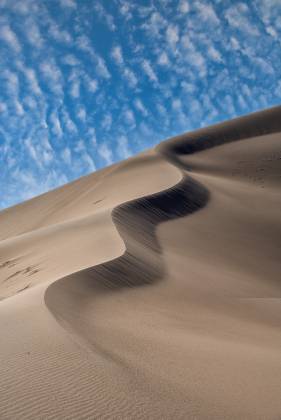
x=150, y=289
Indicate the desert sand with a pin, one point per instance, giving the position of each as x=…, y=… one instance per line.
x=150, y=289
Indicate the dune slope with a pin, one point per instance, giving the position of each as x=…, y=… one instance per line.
x=150, y=289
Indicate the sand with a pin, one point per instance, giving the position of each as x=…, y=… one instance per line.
x=150, y=289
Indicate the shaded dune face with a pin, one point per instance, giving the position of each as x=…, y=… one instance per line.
x=137, y=220
x=141, y=264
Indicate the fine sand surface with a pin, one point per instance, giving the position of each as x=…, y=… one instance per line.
x=150, y=289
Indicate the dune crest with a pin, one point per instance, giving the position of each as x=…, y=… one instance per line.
x=170, y=304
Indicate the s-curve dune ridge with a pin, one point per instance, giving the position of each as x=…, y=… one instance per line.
x=150, y=289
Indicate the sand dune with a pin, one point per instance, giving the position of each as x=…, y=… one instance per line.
x=150, y=289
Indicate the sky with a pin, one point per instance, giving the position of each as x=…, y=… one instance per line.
x=86, y=83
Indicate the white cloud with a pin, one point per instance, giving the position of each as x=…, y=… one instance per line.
x=68, y=3
x=140, y=106
x=3, y=107
x=59, y=35
x=237, y=18
x=214, y=54
x=129, y=117
x=31, y=77
x=75, y=89
x=12, y=82
x=125, y=7
x=66, y=155
x=172, y=35
x=176, y=104
x=235, y=43
x=207, y=12
x=7, y=35
x=18, y=107
x=30, y=102
x=56, y=125
x=70, y=60
x=130, y=76
x=105, y=153
x=102, y=69
x=183, y=6
x=271, y=31
x=53, y=75
x=155, y=25
x=91, y=135
x=163, y=59
x=33, y=35
x=89, y=161
x=105, y=16
x=123, y=149
x=92, y=84
x=83, y=43
x=31, y=150
x=116, y=54
x=149, y=71
x=81, y=113
x=106, y=122
x=69, y=124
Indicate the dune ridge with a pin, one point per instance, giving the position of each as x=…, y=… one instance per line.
x=172, y=307
x=137, y=219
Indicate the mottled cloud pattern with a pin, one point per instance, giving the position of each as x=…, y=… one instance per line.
x=86, y=83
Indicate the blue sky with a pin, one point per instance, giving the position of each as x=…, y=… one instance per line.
x=86, y=83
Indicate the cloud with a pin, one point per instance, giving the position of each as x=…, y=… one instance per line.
x=172, y=35
x=106, y=153
x=68, y=4
x=183, y=6
x=91, y=136
x=31, y=150
x=33, y=34
x=125, y=10
x=89, y=162
x=163, y=59
x=81, y=113
x=53, y=75
x=106, y=122
x=12, y=82
x=92, y=84
x=140, y=106
x=102, y=69
x=123, y=149
x=70, y=60
x=149, y=71
x=155, y=24
x=130, y=76
x=207, y=12
x=58, y=34
x=75, y=89
x=116, y=54
x=214, y=54
x=105, y=16
x=68, y=122
x=83, y=44
x=7, y=35
x=3, y=107
x=129, y=117
x=55, y=124
x=31, y=77
x=18, y=107
x=237, y=18
x=66, y=156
